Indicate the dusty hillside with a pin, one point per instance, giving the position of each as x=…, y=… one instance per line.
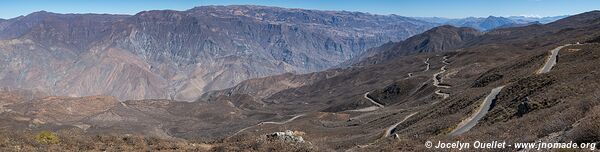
x=489, y=87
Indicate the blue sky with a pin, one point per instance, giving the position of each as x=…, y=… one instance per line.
x=439, y=8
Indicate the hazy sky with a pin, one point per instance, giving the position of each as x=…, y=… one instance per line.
x=440, y=8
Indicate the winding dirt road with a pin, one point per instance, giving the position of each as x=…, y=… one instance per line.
x=445, y=60
x=436, y=80
x=283, y=122
x=551, y=60
x=123, y=104
x=367, y=109
x=269, y=122
x=372, y=101
x=371, y=108
x=388, y=131
x=440, y=93
x=470, y=122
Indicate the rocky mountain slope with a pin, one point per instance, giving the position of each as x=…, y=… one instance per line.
x=182, y=54
x=396, y=104
x=438, y=39
x=415, y=113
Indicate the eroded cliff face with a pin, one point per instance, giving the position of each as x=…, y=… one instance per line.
x=182, y=54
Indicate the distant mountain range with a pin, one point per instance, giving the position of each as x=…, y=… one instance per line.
x=422, y=83
x=491, y=22
x=181, y=54
x=542, y=20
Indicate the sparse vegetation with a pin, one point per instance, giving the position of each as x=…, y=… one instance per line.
x=588, y=129
x=559, y=105
x=484, y=80
x=73, y=140
x=47, y=137
x=263, y=144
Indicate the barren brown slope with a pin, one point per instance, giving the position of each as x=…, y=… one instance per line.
x=534, y=99
x=528, y=103
x=168, y=119
x=165, y=119
x=264, y=87
x=474, y=70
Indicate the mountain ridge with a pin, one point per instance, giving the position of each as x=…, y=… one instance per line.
x=490, y=22
x=182, y=54
x=438, y=39
x=392, y=105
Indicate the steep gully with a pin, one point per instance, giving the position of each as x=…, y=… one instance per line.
x=470, y=122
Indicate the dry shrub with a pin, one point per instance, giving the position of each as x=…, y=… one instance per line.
x=72, y=140
x=589, y=128
x=251, y=143
x=47, y=137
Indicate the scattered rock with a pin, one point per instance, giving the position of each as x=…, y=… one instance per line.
x=288, y=135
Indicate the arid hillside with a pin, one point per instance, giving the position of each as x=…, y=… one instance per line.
x=520, y=84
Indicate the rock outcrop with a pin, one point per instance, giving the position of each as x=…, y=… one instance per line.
x=288, y=135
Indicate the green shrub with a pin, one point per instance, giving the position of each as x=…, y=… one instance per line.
x=46, y=137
